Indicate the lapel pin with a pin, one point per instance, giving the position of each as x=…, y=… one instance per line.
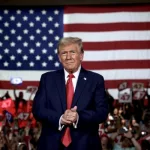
x=84, y=78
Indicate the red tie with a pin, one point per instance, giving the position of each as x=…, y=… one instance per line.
x=66, y=139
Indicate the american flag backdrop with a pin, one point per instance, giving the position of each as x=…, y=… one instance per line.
x=116, y=41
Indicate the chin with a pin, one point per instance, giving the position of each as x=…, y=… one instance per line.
x=71, y=70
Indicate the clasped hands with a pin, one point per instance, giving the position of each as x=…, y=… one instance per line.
x=70, y=116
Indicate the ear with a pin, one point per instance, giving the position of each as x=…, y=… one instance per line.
x=81, y=56
x=59, y=57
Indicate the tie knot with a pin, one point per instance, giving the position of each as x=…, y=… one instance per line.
x=70, y=76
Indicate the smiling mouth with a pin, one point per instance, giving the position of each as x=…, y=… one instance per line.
x=69, y=63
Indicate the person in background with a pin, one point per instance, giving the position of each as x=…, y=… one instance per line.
x=106, y=142
x=127, y=141
x=70, y=103
x=146, y=121
x=20, y=102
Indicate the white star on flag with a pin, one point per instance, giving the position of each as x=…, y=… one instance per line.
x=37, y=18
x=44, y=38
x=50, y=31
x=44, y=51
x=6, y=64
x=19, y=24
x=56, y=24
x=44, y=12
x=6, y=50
x=19, y=51
x=38, y=44
x=50, y=57
x=38, y=31
x=31, y=50
x=50, y=44
x=19, y=38
x=12, y=57
x=18, y=12
x=6, y=37
x=31, y=11
x=56, y=12
x=44, y=64
x=25, y=18
x=6, y=24
x=18, y=64
x=31, y=64
x=12, y=18
x=50, y=18
x=1, y=56
x=56, y=64
x=31, y=24
x=38, y=57
x=32, y=37
x=25, y=57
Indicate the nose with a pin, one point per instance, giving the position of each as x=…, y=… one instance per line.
x=68, y=56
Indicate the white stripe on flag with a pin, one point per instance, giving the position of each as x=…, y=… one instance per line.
x=123, y=74
x=106, y=17
x=110, y=36
x=96, y=55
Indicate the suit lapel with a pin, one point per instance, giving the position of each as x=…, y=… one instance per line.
x=60, y=81
x=82, y=80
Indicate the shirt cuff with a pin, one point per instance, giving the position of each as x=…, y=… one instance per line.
x=75, y=124
x=60, y=125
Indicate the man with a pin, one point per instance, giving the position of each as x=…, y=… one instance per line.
x=70, y=108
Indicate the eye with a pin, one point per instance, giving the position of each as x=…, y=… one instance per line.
x=72, y=52
x=63, y=53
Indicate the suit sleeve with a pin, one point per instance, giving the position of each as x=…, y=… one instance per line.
x=99, y=112
x=40, y=111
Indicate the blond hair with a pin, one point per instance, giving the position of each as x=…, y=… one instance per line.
x=70, y=40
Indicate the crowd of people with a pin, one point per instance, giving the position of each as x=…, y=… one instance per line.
x=127, y=126
x=18, y=128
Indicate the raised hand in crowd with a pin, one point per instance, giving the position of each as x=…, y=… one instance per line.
x=130, y=136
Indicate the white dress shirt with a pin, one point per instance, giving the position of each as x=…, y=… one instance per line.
x=74, y=81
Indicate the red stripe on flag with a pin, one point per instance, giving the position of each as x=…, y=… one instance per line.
x=106, y=27
x=97, y=9
x=23, y=86
x=126, y=64
x=134, y=45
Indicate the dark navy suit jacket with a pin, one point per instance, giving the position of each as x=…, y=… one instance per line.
x=50, y=103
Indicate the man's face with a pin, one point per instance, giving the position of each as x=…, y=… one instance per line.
x=70, y=56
